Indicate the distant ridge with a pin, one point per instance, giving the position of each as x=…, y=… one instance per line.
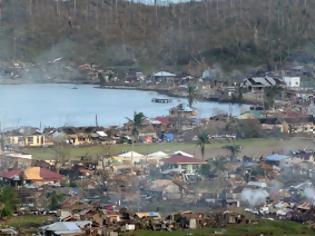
x=186, y=36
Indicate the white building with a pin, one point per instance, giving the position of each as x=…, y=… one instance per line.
x=259, y=83
x=292, y=82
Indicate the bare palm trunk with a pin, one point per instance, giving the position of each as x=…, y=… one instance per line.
x=203, y=152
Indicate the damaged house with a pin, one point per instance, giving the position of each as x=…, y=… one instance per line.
x=260, y=82
x=181, y=164
x=74, y=228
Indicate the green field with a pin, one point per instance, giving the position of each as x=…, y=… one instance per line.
x=252, y=147
x=265, y=228
x=24, y=221
x=212, y=149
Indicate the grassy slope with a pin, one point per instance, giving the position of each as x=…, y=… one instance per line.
x=76, y=152
x=26, y=225
x=24, y=221
x=253, y=147
x=264, y=228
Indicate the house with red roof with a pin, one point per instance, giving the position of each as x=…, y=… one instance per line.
x=181, y=164
x=33, y=175
x=13, y=177
x=41, y=176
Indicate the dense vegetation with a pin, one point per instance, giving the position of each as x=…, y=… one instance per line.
x=191, y=35
x=8, y=201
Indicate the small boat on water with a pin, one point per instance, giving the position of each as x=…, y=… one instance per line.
x=74, y=88
x=161, y=100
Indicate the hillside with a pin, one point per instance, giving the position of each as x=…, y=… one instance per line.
x=189, y=36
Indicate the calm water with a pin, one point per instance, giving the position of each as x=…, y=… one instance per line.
x=59, y=104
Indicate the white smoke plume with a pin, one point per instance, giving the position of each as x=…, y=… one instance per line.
x=254, y=196
x=309, y=193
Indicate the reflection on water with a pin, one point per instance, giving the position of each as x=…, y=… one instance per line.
x=60, y=104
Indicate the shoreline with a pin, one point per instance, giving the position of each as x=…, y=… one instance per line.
x=174, y=95
x=166, y=92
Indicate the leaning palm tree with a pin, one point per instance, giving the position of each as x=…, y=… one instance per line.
x=203, y=139
x=191, y=95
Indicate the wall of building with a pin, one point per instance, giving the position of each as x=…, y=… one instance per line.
x=292, y=82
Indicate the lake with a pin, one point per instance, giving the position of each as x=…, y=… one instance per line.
x=59, y=104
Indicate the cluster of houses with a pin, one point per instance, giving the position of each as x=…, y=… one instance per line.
x=131, y=191
x=158, y=129
x=288, y=123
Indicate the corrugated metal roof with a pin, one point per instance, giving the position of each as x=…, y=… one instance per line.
x=163, y=74
x=131, y=154
x=66, y=227
x=180, y=159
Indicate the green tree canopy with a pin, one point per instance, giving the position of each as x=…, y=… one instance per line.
x=55, y=200
x=101, y=79
x=233, y=149
x=136, y=122
x=270, y=94
x=8, y=201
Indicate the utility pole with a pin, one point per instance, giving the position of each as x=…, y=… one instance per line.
x=230, y=110
x=1, y=10
x=2, y=140
x=263, y=96
x=96, y=120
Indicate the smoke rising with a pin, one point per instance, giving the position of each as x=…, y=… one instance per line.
x=310, y=195
x=254, y=196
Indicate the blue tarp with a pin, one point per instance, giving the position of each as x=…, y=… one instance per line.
x=169, y=137
x=153, y=214
x=276, y=158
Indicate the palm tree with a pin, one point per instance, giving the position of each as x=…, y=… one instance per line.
x=191, y=95
x=233, y=149
x=203, y=139
x=101, y=79
x=61, y=151
x=136, y=123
